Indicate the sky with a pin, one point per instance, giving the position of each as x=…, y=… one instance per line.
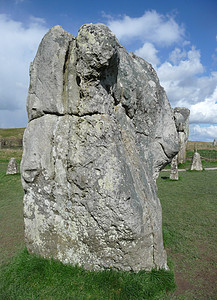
x=179, y=38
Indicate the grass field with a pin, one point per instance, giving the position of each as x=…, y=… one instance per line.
x=189, y=228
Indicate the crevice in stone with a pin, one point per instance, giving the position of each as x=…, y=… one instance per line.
x=142, y=133
x=67, y=57
x=78, y=80
x=76, y=184
x=127, y=111
x=164, y=150
x=68, y=114
x=65, y=76
x=56, y=113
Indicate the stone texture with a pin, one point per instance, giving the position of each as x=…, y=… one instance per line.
x=12, y=166
x=214, y=142
x=174, y=174
x=100, y=130
x=181, y=115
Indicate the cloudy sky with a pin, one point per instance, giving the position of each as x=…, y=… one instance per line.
x=178, y=37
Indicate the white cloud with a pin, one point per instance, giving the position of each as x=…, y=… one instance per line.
x=151, y=27
x=149, y=53
x=181, y=81
x=176, y=55
x=184, y=69
x=205, y=111
x=18, y=48
x=206, y=134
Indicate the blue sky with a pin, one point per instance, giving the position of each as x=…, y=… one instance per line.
x=178, y=37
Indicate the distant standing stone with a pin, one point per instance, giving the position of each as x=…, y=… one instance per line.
x=214, y=143
x=196, y=162
x=174, y=175
x=181, y=115
x=12, y=166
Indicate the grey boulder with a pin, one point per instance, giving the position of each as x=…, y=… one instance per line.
x=100, y=130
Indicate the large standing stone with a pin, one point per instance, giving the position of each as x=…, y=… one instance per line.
x=182, y=124
x=12, y=166
x=214, y=142
x=100, y=130
x=196, y=162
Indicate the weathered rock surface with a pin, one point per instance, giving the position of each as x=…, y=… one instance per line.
x=174, y=173
x=12, y=166
x=182, y=124
x=196, y=162
x=100, y=130
x=214, y=142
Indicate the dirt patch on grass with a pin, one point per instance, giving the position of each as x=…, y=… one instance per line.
x=195, y=279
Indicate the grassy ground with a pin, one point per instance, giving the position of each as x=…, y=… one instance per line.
x=187, y=164
x=200, y=146
x=11, y=132
x=189, y=227
x=6, y=154
x=11, y=217
x=11, y=137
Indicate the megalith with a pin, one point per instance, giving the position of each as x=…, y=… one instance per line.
x=100, y=130
x=181, y=115
x=12, y=166
x=214, y=142
x=196, y=162
x=174, y=173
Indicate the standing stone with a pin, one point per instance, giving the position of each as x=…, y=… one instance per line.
x=100, y=130
x=181, y=115
x=196, y=162
x=174, y=174
x=214, y=142
x=12, y=166
x=0, y=144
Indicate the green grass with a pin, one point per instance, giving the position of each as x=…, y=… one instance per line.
x=11, y=216
x=189, y=228
x=11, y=137
x=31, y=277
x=6, y=154
x=204, y=153
x=187, y=164
x=200, y=145
x=11, y=132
